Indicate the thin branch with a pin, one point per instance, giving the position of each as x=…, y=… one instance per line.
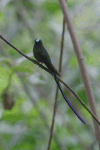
x=33, y=60
x=62, y=45
x=85, y=77
x=40, y=65
x=56, y=96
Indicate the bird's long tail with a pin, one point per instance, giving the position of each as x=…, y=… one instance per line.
x=59, y=85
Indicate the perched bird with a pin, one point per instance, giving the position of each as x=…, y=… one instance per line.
x=41, y=54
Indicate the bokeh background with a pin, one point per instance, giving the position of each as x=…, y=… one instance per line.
x=30, y=91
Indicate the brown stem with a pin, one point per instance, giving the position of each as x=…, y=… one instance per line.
x=85, y=77
x=56, y=96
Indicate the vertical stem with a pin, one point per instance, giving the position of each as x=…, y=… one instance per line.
x=85, y=77
x=55, y=104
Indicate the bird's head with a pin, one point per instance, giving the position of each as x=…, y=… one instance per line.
x=38, y=42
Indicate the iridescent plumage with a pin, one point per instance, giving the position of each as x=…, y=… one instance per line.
x=41, y=54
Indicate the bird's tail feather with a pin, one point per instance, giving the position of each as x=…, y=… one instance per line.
x=59, y=85
x=52, y=68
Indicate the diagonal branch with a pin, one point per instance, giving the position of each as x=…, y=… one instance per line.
x=40, y=65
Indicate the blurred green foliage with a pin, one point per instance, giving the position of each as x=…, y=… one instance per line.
x=27, y=125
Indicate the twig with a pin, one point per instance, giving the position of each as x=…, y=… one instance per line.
x=33, y=60
x=56, y=96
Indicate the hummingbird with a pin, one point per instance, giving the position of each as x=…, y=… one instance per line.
x=42, y=56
